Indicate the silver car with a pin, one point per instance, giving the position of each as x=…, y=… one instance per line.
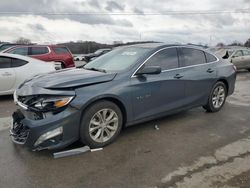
x=240, y=57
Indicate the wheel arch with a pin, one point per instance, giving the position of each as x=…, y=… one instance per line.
x=225, y=82
x=113, y=99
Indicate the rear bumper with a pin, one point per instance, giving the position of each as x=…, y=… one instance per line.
x=26, y=131
x=231, y=83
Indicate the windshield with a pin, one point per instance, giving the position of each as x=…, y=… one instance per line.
x=98, y=52
x=118, y=59
x=4, y=47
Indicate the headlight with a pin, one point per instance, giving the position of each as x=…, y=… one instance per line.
x=51, y=103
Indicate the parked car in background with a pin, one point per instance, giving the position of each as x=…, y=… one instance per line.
x=5, y=46
x=240, y=57
x=48, y=53
x=92, y=56
x=127, y=86
x=78, y=57
x=14, y=69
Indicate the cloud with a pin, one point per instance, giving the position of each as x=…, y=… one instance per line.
x=36, y=27
x=114, y=6
x=106, y=27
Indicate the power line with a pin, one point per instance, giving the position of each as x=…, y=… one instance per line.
x=191, y=12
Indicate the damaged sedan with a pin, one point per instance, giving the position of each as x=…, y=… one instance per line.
x=129, y=85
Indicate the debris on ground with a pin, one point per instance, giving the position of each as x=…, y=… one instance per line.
x=157, y=128
x=76, y=151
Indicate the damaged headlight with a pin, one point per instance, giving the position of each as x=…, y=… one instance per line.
x=50, y=103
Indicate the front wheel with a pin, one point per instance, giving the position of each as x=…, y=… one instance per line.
x=217, y=97
x=101, y=124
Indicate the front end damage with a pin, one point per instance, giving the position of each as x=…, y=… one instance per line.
x=45, y=121
x=49, y=113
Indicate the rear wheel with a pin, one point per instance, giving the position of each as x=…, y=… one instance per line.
x=101, y=124
x=217, y=97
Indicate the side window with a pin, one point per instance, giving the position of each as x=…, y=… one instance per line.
x=5, y=62
x=18, y=62
x=238, y=53
x=61, y=50
x=20, y=51
x=39, y=50
x=192, y=56
x=166, y=59
x=246, y=53
x=210, y=58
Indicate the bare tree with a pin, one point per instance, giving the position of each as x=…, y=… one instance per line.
x=23, y=40
x=236, y=43
x=247, y=43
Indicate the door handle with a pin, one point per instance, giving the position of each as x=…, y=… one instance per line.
x=210, y=70
x=178, y=76
x=6, y=74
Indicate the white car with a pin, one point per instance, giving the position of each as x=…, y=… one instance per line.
x=15, y=69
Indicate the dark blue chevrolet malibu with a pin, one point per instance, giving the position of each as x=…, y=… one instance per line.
x=126, y=86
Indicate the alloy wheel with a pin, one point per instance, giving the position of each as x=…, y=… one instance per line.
x=103, y=125
x=219, y=95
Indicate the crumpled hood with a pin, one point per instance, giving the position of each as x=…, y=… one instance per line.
x=69, y=78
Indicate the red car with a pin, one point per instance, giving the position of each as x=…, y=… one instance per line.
x=56, y=53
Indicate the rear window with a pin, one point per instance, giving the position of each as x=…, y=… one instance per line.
x=39, y=50
x=18, y=62
x=5, y=62
x=210, y=58
x=61, y=50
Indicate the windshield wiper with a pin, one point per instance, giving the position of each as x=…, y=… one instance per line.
x=96, y=69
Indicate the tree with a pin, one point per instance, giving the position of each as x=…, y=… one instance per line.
x=220, y=44
x=247, y=43
x=236, y=43
x=23, y=40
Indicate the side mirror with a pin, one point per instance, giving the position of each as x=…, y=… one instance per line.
x=149, y=70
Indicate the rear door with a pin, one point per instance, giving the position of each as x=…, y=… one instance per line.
x=246, y=54
x=199, y=73
x=154, y=94
x=7, y=74
x=39, y=52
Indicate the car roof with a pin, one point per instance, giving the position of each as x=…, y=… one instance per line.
x=157, y=46
x=25, y=58
x=37, y=45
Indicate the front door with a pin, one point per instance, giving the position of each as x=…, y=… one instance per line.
x=238, y=59
x=155, y=94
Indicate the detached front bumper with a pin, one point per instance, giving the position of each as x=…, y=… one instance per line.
x=63, y=127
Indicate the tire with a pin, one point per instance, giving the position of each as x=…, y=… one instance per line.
x=217, y=97
x=93, y=118
x=62, y=65
x=248, y=70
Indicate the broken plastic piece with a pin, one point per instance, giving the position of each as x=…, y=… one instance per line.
x=71, y=152
x=157, y=128
x=97, y=149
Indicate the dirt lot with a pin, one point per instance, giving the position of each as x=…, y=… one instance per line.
x=190, y=149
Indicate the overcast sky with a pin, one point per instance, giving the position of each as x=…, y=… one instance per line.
x=108, y=28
